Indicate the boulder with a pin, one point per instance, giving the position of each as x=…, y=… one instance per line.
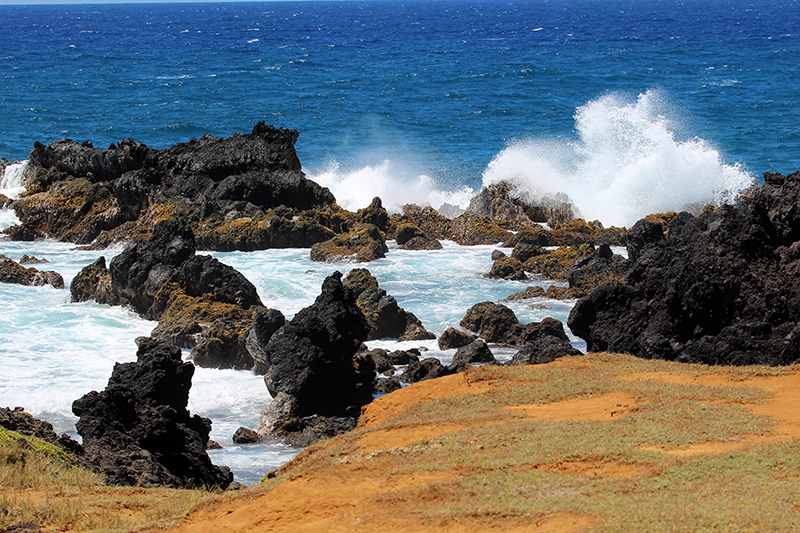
x=246, y=436
x=498, y=324
x=466, y=356
x=428, y=368
x=454, y=338
x=314, y=363
x=13, y=272
x=410, y=237
x=719, y=289
x=138, y=432
x=507, y=268
x=546, y=342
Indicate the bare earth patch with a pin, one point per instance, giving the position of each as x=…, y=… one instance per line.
x=597, y=443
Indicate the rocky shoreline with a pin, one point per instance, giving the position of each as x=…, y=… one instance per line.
x=714, y=288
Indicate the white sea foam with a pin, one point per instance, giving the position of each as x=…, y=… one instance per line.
x=355, y=189
x=11, y=183
x=627, y=161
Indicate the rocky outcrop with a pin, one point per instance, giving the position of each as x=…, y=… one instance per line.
x=510, y=207
x=200, y=303
x=137, y=431
x=363, y=243
x=385, y=317
x=573, y=234
x=238, y=192
x=13, y=272
x=545, y=342
x=467, y=229
x=720, y=289
x=313, y=365
x=498, y=324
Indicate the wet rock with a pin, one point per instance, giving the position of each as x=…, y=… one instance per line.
x=200, y=303
x=512, y=207
x=246, y=436
x=719, y=289
x=265, y=324
x=554, y=264
x=387, y=385
x=374, y=214
x=315, y=367
x=410, y=237
x=454, y=338
x=31, y=260
x=94, y=283
x=507, y=268
x=138, y=432
x=13, y=272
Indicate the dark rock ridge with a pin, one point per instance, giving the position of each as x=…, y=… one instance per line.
x=313, y=365
x=13, y=272
x=239, y=192
x=138, y=432
x=721, y=288
x=385, y=317
x=200, y=303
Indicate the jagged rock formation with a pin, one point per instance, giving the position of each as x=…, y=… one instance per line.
x=510, y=207
x=410, y=237
x=200, y=303
x=313, y=366
x=13, y=272
x=385, y=317
x=138, y=432
x=239, y=192
x=720, y=289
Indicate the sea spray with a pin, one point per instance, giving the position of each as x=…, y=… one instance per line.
x=11, y=183
x=628, y=161
x=396, y=187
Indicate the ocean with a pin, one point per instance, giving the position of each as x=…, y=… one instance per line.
x=627, y=106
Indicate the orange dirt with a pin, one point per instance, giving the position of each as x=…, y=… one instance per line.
x=368, y=490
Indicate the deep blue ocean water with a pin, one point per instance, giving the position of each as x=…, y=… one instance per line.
x=627, y=106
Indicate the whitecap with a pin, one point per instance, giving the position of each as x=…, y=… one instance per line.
x=627, y=161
